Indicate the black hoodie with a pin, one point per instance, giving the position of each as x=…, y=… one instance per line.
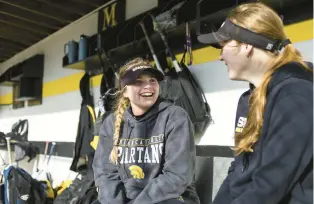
x=280, y=170
x=156, y=158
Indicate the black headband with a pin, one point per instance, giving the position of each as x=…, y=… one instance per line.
x=229, y=31
x=133, y=73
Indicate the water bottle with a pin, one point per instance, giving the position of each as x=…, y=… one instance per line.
x=72, y=51
x=83, y=47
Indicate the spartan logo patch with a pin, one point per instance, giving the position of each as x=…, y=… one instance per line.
x=137, y=172
x=241, y=123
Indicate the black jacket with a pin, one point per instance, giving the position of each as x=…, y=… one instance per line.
x=85, y=128
x=156, y=157
x=280, y=170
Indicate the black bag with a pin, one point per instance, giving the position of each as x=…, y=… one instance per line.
x=19, y=131
x=80, y=186
x=88, y=197
x=196, y=103
x=2, y=191
x=21, y=188
x=183, y=89
x=23, y=149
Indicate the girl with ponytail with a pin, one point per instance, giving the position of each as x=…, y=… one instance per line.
x=146, y=151
x=274, y=145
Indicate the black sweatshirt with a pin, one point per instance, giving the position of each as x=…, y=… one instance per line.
x=156, y=158
x=280, y=170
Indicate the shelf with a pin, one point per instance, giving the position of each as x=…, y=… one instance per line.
x=16, y=78
x=176, y=38
x=7, y=83
x=119, y=54
x=90, y=63
x=128, y=41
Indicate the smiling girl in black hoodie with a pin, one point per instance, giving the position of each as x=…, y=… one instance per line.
x=146, y=151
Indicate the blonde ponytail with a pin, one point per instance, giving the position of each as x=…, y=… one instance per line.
x=122, y=105
x=246, y=14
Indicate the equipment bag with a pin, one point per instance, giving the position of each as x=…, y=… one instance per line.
x=88, y=197
x=23, y=149
x=184, y=88
x=19, y=131
x=79, y=187
x=21, y=188
x=2, y=190
x=197, y=105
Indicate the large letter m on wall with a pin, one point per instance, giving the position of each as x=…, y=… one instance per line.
x=110, y=16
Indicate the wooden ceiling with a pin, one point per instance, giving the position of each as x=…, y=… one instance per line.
x=25, y=22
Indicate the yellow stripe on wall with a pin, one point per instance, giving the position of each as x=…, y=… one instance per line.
x=300, y=31
x=63, y=85
x=6, y=99
x=297, y=33
x=60, y=86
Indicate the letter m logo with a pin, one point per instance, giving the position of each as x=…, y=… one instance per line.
x=110, y=16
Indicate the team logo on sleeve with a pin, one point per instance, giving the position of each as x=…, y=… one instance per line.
x=137, y=172
x=240, y=125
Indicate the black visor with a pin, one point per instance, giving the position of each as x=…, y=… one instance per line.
x=132, y=74
x=231, y=31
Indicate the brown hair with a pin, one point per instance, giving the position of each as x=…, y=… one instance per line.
x=261, y=19
x=121, y=105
